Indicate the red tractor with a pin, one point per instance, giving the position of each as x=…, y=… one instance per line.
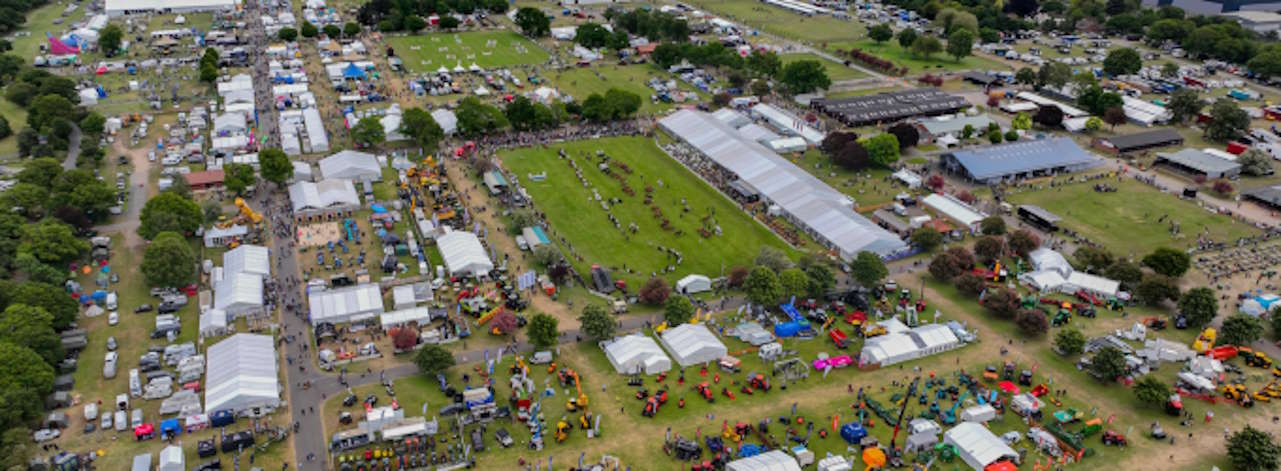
x=1112, y=438
x=654, y=403
x=758, y=381
x=706, y=391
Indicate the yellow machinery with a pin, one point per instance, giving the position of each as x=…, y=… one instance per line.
x=576, y=403
x=585, y=420
x=1236, y=392
x=562, y=430
x=520, y=366
x=873, y=330
x=729, y=434
x=1205, y=341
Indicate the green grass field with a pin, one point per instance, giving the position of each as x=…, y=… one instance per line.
x=816, y=29
x=488, y=49
x=1126, y=221
x=580, y=82
x=17, y=118
x=836, y=72
x=575, y=215
x=891, y=51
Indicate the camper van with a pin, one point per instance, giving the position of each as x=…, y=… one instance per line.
x=109, y=365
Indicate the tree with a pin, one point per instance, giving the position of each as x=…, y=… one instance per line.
x=368, y=132
x=868, y=269
x=1003, y=302
x=906, y=38
x=208, y=73
x=1169, y=262
x=926, y=46
x=794, y=282
x=351, y=29
x=533, y=22
x=1227, y=121
x=433, y=360
x=31, y=327
x=1022, y=242
x=591, y=35
x=1151, y=391
x=1253, y=449
x=655, y=291
x=275, y=166
x=1122, y=61
x=52, y=242
x=109, y=39
x=597, y=323
x=989, y=248
x=992, y=225
x=287, y=34
x=332, y=31
x=994, y=137
x=1170, y=70
x=852, y=157
x=880, y=33
x=25, y=381
x=762, y=286
x=960, y=43
x=239, y=177
x=943, y=267
x=970, y=284
x=906, y=134
x=1114, y=116
x=414, y=23
x=1032, y=322
x=422, y=127
x=821, y=279
x=805, y=76
x=1026, y=76
x=1096, y=100
x=309, y=30
x=1199, y=305
x=40, y=172
x=1267, y=63
x=1125, y=272
x=169, y=261
x=772, y=258
x=1092, y=259
x=1256, y=163
x=1093, y=124
x=1011, y=135
x=677, y=310
x=835, y=141
x=5, y=129
x=1108, y=364
x=1240, y=329
x=1069, y=341
x=542, y=330
x=882, y=149
x=476, y=118
x=1049, y=116
x=169, y=212
x=1155, y=288
x=1184, y=104
x=405, y=338
x=1021, y=122
x=737, y=276
x=927, y=238
x=449, y=22
x=93, y=124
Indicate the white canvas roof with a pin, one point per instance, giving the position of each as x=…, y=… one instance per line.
x=446, y=119
x=693, y=284
x=977, y=445
x=238, y=293
x=903, y=344
x=405, y=316
x=1094, y=284
x=213, y=322
x=324, y=194
x=692, y=344
x=773, y=460
x=954, y=209
x=351, y=165
x=171, y=459
x=119, y=7
x=252, y=259
x=346, y=304
x=637, y=353
x=1044, y=280
x=230, y=122
x=241, y=373
x=463, y=254
x=1049, y=259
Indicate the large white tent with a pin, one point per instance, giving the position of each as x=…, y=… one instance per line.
x=350, y=304
x=773, y=460
x=954, y=209
x=693, y=344
x=825, y=213
x=1052, y=272
x=241, y=374
x=900, y=344
x=978, y=446
x=326, y=194
x=351, y=165
x=691, y=284
x=463, y=254
x=252, y=259
x=636, y=353
x=238, y=293
x=128, y=7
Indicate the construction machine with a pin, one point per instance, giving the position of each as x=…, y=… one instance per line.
x=653, y=403
x=911, y=391
x=1254, y=358
x=1154, y=323
x=246, y=213
x=1205, y=341
x=1236, y=392
x=562, y=430
x=705, y=390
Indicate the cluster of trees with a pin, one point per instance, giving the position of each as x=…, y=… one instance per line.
x=407, y=15
x=52, y=108
x=209, y=65
x=774, y=278
x=594, y=36
x=650, y=23
x=848, y=151
x=73, y=196
x=533, y=22
x=615, y=104
x=15, y=15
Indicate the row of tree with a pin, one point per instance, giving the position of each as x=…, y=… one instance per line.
x=407, y=15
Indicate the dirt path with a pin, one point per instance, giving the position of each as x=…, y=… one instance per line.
x=140, y=190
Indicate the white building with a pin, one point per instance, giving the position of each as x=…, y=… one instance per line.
x=115, y=8
x=691, y=284
x=238, y=294
x=978, y=446
x=955, y=209
x=241, y=374
x=901, y=344
x=351, y=165
x=252, y=259
x=693, y=344
x=1052, y=272
x=343, y=305
x=463, y=254
x=636, y=353
x=773, y=460
x=325, y=195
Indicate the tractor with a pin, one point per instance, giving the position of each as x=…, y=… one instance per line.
x=1237, y=393
x=1255, y=358
x=1174, y=405
x=705, y=390
x=653, y=403
x=1154, y=323
x=758, y=381
x=1112, y=438
x=562, y=430
x=1063, y=317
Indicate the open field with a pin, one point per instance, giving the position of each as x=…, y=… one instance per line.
x=576, y=216
x=488, y=49
x=866, y=186
x=583, y=81
x=836, y=72
x=17, y=118
x=891, y=51
x=1126, y=221
x=814, y=30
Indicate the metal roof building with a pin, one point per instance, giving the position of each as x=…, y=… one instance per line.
x=891, y=106
x=463, y=254
x=351, y=304
x=955, y=209
x=816, y=207
x=1021, y=160
x=323, y=195
x=978, y=446
x=1199, y=163
x=1139, y=141
x=1267, y=196
x=953, y=125
x=241, y=374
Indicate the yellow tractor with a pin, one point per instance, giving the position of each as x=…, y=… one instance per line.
x=873, y=330
x=585, y=420
x=562, y=430
x=1237, y=393
x=1205, y=341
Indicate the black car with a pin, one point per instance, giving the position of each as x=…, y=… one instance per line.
x=349, y=401
x=209, y=465
x=168, y=307
x=477, y=440
x=206, y=448
x=143, y=308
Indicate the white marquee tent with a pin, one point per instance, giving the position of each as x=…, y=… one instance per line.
x=352, y=165
x=345, y=305
x=636, y=353
x=238, y=293
x=691, y=284
x=978, y=446
x=463, y=254
x=325, y=194
x=900, y=345
x=692, y=344
x=773, y=460
x=252, y=259
x=241, y=374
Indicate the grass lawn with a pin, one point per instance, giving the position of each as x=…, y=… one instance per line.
x=17, y=118
x=865, y=186
x=488, y=49
x=40, y=21
x=890, y=50
x=1126, y=220
x=836, y=72
x=575, y=215
x=580, y=82
x=815, y=29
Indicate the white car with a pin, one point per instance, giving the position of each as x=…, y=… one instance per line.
x=113, y=318
x=46, y=434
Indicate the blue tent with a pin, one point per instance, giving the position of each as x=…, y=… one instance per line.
x=169, y=427
x=99, y=295
x=853, y=433
x=787, y=329
x=353, y=72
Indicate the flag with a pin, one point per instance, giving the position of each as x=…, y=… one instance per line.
x=1111, y=418
x=835, y=419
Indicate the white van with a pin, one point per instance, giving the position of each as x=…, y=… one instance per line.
x=121, y=421
x=111, y=301
x=122, y=401
x=109, y=365
x=135, y=419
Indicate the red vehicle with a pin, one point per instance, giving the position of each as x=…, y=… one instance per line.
x=706, y=391
x=839, y=338
x=1222, y=353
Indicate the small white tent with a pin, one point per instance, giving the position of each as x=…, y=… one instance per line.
x=693, y=284
x=636, y=353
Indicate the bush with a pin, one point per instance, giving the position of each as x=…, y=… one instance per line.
x=1032, y=322
x=970, y=283
x=736, y=276
x=1223, y=188
x=655, y=291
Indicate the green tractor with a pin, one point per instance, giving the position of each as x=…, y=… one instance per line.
x=945, y=452
x=1063, y=317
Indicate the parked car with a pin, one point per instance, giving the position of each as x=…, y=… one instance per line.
x=111, y=344
x=113, y=318
x=143, y=308
x=46, y=434
x=109, y=365
x=504, y=438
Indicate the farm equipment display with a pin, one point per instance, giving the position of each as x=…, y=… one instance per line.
x=1236, y=392
x=1113, y=438
x=1154, y=323
x=653, y=403
x=1205, y=341
x=1254, y=358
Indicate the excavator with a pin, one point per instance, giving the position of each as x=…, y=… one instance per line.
x=574, y=403
x=562, y=430
x=247, y=215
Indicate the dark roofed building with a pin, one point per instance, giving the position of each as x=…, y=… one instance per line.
x=1023, y=159
x=1196, y=162
x=982, y=79
x=1269, y=196
x=1139, y=141
x=205, y=179
x=891, y=106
